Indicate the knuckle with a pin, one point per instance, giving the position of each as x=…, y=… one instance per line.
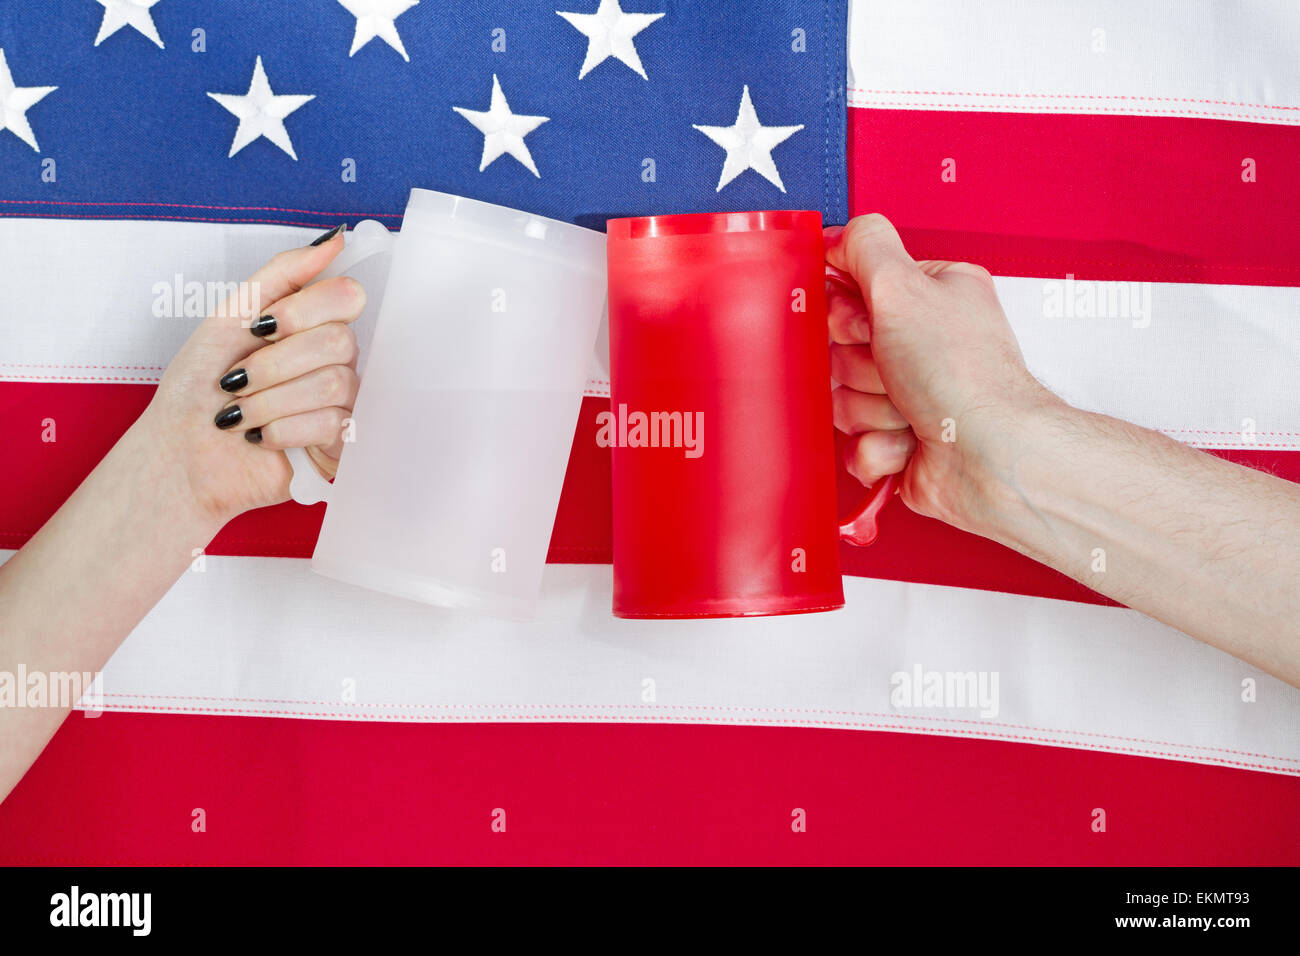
x=861, y=459
x=892, y=281
x=271, y=370
x=356, y=292
x=283, y=266
x=896, y=418
x=337, y=385
x=887, y=288
x=286, y=317
x=281, y=260
x=977, y=270
x=865, y=226
x=335, y=427
x=338, y=298
x=341, y=342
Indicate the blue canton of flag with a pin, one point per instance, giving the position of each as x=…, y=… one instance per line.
x=309, y=112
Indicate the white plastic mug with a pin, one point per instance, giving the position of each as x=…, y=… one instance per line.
x=451, y=472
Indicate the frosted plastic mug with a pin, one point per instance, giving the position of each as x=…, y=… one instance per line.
x=718, y=321
x=469, y=398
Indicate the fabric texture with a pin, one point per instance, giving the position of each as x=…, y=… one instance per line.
x=136, y=136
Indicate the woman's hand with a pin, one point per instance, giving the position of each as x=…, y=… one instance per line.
x=284, y=357
x=274, y=367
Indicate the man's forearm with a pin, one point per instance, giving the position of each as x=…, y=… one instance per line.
x=1204, y=545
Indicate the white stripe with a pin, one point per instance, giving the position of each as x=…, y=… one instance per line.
x=1210, y=365
x=81, y=299
x=1209, y=58
x=1205, y=363
x=265, y=636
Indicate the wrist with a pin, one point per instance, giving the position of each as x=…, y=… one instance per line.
x=1007, y=453
x=161, y=471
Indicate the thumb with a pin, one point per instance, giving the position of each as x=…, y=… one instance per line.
x=284, y=274
x=867, y=249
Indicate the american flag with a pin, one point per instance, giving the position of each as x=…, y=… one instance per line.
x=152, y=146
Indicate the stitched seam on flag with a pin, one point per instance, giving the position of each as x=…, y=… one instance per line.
x=741, y=720
x=292, y=548
x=89, y=378
x=713, y=707
x=158, y=368
x=161, y=368
x=1188, y=266
x=1075, y=96
x=1147, y=110
x=1204, y=431
x=186, y=205
x=597, y=388
x=1228, y=446
x=828, y=75
x=1201, y=443
x=274, y=222
x=590, y=382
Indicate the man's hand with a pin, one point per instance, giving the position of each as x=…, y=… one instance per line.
x=932, y=380
x=934, y=386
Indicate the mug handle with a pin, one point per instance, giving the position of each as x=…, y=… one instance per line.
x=366, y=239
x=860, y=528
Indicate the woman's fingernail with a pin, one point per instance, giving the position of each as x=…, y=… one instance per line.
x=234, y=381
x=264, y=326
x=831, y=233
x=228, y=417
x=327, y=236
x=254, y=435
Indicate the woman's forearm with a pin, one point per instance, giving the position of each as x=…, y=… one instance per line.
x=83, y=582
x=271, y=368
x=1202, y=544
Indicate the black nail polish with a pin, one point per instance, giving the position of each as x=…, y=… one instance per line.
x=326, y=237
x=264, y=326
x=228, y=417
x=234, y=381
x=254, y=435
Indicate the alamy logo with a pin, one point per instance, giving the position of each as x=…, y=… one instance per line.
x=49, y=689
x=1087, y=299
x=75, y=908
x=626, y=429
x=945, y=689
x=180, y=299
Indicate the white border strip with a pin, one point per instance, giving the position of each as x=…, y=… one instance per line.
x=1207, y=364
x=1216, y=59
x=266, y=637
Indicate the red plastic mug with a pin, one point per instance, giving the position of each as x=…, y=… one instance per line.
x=724, y=495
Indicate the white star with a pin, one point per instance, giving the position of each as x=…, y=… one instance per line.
x=15, y=101
x=503, y=131
x=375, y=19
x=609, y=32
x=121, y=13
x=261, y=112
x=749, y=144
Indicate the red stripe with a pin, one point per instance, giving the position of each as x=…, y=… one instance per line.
x=307, y=792
x=38, y=476
x=1159, y=199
